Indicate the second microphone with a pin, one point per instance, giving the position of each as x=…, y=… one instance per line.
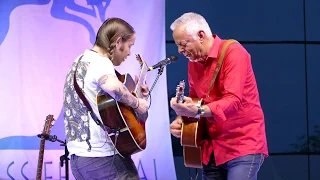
x=164, y=62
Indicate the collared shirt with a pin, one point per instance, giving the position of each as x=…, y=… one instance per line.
x=237, y=127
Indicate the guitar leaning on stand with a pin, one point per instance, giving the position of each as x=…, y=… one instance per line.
x=46, y=130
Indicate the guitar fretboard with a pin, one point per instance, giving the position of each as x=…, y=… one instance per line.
x=40, y=159
x=141, y=80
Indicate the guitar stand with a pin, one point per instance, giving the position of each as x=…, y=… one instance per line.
x=160, y=71
x=64, y=157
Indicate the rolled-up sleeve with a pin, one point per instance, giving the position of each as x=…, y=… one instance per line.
x=235, y=70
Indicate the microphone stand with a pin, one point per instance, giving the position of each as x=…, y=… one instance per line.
x=66, y=152
x=160, y=71
x=65, y=158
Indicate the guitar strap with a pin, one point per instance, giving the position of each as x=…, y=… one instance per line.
x=82, y=97
x=220, y=61
x=87, y=104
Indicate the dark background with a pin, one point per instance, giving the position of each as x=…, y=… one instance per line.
x=284, y=41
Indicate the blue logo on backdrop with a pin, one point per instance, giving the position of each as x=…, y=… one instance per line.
x=57, y=11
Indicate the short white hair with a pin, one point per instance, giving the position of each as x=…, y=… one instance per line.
x=194, y=23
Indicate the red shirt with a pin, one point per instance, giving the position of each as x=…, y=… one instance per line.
x=237, y=127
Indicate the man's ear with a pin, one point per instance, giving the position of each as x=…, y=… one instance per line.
x=118, y=41
x=201, y=34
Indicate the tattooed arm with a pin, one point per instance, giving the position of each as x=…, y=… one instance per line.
x=111, y=85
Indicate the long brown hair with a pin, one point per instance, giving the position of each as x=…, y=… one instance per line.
x=109, y=32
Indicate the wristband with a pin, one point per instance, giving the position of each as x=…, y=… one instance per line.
x=200, y=110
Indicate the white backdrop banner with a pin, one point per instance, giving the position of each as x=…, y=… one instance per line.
x=39, y=40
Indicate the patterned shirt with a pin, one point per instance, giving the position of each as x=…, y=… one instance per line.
x=81, y=130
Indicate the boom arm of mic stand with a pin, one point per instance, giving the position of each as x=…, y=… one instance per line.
x=160, y=71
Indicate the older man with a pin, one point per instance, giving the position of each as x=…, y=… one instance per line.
x=236, y=143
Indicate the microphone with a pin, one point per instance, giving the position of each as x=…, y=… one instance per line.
x=164, y=62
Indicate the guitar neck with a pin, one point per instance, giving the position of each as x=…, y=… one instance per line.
x=141, y=80
x=40, y=159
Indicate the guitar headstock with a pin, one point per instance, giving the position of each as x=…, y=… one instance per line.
x=48, y=124
x=139, y=59
x=180, y=91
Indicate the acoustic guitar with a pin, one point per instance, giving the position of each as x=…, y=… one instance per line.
x=116, y=115
x=192, y=133
x=46, y=130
